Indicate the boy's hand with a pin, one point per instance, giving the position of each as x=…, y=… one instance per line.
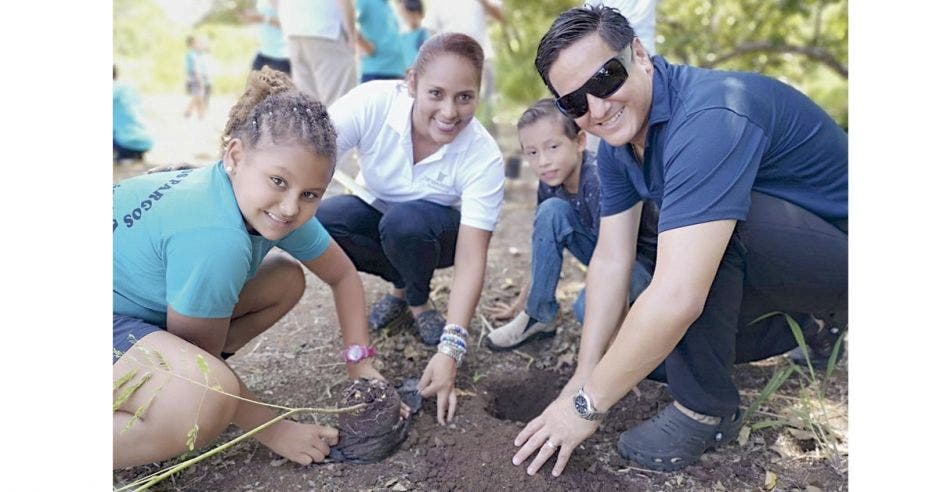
x=500, y=311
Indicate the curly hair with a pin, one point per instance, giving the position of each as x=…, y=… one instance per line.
x=273, y=111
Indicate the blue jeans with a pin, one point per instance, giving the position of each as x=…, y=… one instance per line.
x=557, y=227
x=404, y=246
x=640, y=277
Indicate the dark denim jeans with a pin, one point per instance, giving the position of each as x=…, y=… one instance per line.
x=404, y=246
x=782, y=258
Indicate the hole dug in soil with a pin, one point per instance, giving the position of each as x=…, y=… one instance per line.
x=521, y=396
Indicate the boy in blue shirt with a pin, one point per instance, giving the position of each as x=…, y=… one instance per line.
x=414, y=34
x=198, y=85
x=129, y=135
x=567, y=217
x=272, y=49
x=378, y=39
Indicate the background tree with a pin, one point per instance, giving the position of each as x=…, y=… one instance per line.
x=801, y=42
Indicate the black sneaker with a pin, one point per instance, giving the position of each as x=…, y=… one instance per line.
x=820, y=343
x=386, y=311
x=672, y=440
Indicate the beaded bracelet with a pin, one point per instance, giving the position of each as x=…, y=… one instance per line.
x=459, y=341
x=449, y=350
x=456, y=330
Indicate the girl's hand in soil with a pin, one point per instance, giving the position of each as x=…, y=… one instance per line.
x=363, y=369
x=558, y=428
x=438, y=379
x=301, y=443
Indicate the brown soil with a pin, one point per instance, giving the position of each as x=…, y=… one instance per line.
x=296, y=363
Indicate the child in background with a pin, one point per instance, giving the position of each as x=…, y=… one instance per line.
x=413, y=35
x=197, y=76
x=272, y=49
x=567, y=217
x=379, y=42
x=129, y=136
x=193, y=281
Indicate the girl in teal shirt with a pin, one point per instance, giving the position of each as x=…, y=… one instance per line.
x=193, y=281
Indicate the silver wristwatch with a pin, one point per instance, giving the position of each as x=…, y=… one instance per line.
x=585, y=407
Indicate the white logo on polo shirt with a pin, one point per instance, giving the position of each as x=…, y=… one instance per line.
x=439, y=183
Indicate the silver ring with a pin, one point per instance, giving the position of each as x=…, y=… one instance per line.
x=550, y=445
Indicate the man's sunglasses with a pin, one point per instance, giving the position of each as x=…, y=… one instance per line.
x=607, y=80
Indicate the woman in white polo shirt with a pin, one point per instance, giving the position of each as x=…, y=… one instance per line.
x=437, y=179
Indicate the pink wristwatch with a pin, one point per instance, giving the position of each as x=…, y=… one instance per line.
x=356, y=353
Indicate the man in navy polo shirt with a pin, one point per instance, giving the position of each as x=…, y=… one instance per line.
x=750, y=179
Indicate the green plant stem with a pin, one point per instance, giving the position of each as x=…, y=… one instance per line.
x=218, y=390
x=160, y=476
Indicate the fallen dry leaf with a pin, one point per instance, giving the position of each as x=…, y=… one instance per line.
x=411, y=353
x=770, y=480
x=744, y=435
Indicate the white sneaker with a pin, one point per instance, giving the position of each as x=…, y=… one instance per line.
x=514, y=334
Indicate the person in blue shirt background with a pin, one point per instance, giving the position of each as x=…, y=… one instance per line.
x=413, y=34
x=198, y=84
x=272, y=49
x=751, y=180
x=379, y=42
x=193, y=281
x=129, y=135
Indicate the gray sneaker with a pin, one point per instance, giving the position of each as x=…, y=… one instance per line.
x=388, y=310
x=514, y=333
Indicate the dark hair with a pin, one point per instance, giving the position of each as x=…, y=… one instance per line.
x=453, y=43
x=575, y=24
x=413, y=6
x=545, y=108
x=273, y=110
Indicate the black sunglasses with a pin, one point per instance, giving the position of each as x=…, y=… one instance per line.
x=607, y=80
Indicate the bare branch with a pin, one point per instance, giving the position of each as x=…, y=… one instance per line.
x=819, y=54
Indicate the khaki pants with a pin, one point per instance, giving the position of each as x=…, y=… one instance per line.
x=323, y=68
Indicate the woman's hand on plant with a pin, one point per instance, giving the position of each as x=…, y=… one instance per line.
x=438, y=379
